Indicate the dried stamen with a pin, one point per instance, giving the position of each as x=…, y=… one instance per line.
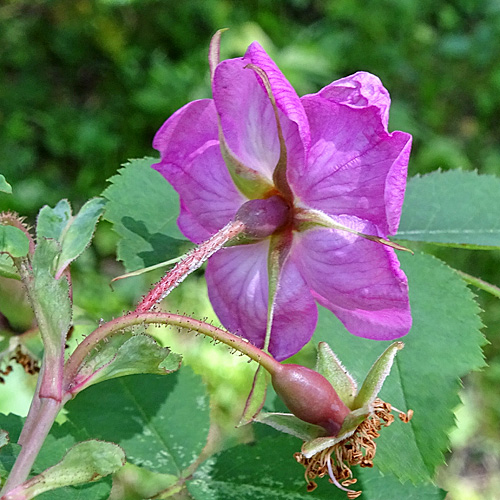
x=357, y=449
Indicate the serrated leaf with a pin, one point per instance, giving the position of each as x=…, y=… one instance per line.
x=443, y=345
x=83, y=463
x=125, y=354
x=5, y=187
x=13, y=241
x=72, y=233
x=454, y=208
x=267, y=470
x=164, y=421
x=144, y=208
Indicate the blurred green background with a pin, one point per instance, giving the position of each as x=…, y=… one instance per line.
x=84, y=85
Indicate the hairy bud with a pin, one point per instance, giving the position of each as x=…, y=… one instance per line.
x=310, y=397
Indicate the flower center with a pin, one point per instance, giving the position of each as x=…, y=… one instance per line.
x=264, y=217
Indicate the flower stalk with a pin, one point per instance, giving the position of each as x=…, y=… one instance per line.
x=192, y=261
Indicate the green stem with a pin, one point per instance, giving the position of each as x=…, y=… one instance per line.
x=479, y=283
x=115, y=326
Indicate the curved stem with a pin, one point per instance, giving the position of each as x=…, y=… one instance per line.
x=149, y=318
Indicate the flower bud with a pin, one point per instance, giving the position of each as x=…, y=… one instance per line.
x=262, y=217
x=310, y=397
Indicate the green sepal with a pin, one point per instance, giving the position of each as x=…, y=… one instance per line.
x=250, y=183
x=290, y=424
x=85, y=462
x=328, y=365
x=124, y=354
x=351, y=422
x=256, y=398
x=376, y=376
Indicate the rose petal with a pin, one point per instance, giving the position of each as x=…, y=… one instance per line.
x=354, y=166
x=191, y=161
x=287, y=99
x=248, y=120
x=238, y=289
x=359, y=91
x=187, y=130
x=357, y=279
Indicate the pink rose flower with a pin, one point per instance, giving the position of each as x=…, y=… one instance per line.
x=330, y=160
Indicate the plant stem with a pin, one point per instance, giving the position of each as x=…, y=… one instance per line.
x=479, y=283
x=112, y=327
x=47, y=413
x=192, y=261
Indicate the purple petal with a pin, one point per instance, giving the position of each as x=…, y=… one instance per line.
x=192, y=163
x=248, y=120
x=238, y=289
x=287, y=99
x=359, y=280
x=355, y=166
x=359, y=91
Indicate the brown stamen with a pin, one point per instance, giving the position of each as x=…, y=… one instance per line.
x=357, y=449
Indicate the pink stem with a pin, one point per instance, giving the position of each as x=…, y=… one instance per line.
x=190, y=263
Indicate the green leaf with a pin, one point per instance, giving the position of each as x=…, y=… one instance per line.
x=5, y=187
x=11, y=427
x=144, y=208
x=161, y=422
x=83, y=463
x=60, y=439
x=125, y=354
x=7, y=268
x=4, y=438
x=267, y=470
x=443, y=345
x=72, y=233
x=453, y=208
x=51, y=222
x=13, y=241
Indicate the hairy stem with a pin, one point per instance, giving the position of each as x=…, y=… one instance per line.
x=115, y=326
x=193, y=260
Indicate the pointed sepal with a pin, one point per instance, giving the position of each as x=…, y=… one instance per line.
x=290, y=424
x=376, y=376
x=332, y=369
